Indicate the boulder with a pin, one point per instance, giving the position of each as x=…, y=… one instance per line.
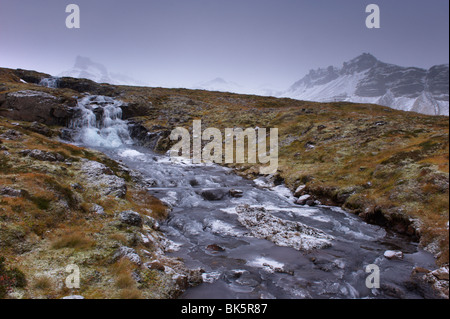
x=102, y=178
x=441, y=273
x=131, y=218
x=262, y=224
x=299, y=191
x=303, y=199
x=155, y=265
x=37, y=106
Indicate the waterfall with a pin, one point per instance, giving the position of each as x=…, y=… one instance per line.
x=50, y=82
x=98, y=122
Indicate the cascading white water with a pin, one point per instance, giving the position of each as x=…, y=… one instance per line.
x=50, y=82
x=99, y=122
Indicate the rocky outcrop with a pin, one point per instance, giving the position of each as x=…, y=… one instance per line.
x=37, y=106
x=43, y=156
x=262, y=224
x=103, y=179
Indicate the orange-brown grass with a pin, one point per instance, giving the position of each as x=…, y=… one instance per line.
x=75, y=240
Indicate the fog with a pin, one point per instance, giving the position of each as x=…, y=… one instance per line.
x=178, y=43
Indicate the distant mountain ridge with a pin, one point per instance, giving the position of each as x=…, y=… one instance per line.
x=85, y=68
x=220, y=85
x=365, y=79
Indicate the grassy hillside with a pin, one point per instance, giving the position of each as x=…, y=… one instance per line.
x=390, y=167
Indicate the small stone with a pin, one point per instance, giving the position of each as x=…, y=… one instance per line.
x=391, y=254
x=420, y=270
x=303, y=199
x=128, y=253
x=77, y=187
x=97, y=209
x=151, y=222
x=236, y=193
x=215, y=247
x=311, y=203
x=213, y=194
x=155, y=265
x=299, y=191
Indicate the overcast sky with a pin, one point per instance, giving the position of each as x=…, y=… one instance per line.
x=251, y=42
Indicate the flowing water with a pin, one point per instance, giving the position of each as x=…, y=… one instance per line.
x=208, y=233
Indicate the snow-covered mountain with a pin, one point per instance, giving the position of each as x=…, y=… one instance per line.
x=87, y=69
x=368, y=80
x=221, y=85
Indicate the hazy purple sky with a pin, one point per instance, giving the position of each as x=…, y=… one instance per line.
x=251, y=42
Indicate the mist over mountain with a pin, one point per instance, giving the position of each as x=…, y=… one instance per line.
x=365, y=79
x=85, y=68
x=220, y=85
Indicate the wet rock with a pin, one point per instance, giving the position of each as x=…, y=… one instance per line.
x=215, y=247
x=392, y=255
x=275, y=179
x=213, y=194
x=311, y=202
x=131, y=218
x=420, y=270
x=299, y=191
x=303, y=199
x=193, y=182
x=236, y=193
x=262, y=224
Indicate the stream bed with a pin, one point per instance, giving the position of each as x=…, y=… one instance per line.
x=292, y=252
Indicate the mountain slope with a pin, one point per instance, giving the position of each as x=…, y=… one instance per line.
x=368, y=80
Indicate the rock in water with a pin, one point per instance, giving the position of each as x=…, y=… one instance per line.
x=236, y=193
x=213, y=194
x=299, y=191
x=391, y=254
x=262, y=224
x=303, y=199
